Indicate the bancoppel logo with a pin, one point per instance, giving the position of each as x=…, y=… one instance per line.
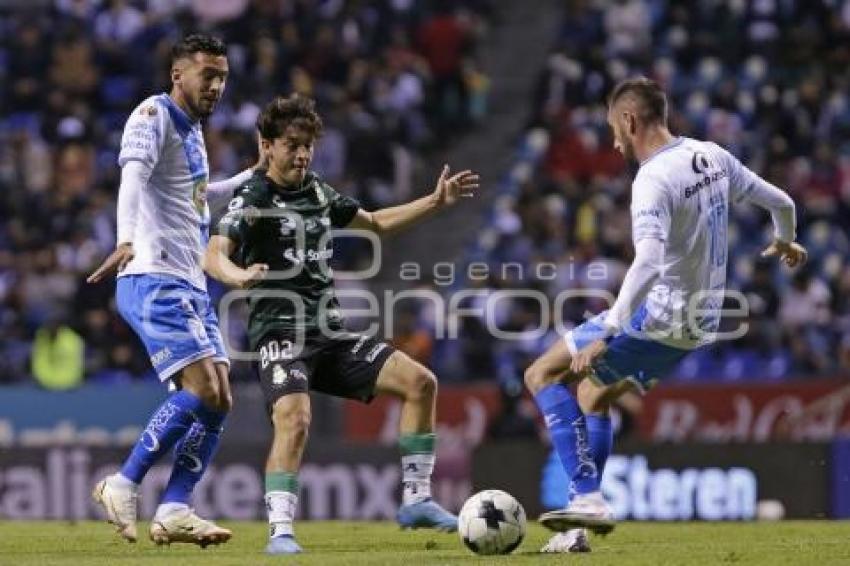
x=714, y=494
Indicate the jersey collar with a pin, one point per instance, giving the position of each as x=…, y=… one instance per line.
x=181, y=120
x=670, y=145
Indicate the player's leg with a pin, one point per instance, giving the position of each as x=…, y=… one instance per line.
x=595, y=401
x=547, y=379
x=416, y=387
x=154, y=308
x=291, y=419
x=192, y=455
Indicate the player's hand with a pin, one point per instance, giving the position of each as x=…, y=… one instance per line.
x=450, y=188
x=116, y=262
x=791, y=254
x=584, y=358
x=252, y=275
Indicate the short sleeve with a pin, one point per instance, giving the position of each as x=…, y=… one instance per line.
x=238, y=219
x=144, y=134
x=343, y=208
x=650, y=210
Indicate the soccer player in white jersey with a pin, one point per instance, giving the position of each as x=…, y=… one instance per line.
x=163, y=229
x=669, y=302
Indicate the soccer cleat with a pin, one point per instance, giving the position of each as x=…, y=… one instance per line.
x=588, y=511
x=185, y=526
x=426, y=514
x=284, y=544
x=572, y=541
x=121, y=505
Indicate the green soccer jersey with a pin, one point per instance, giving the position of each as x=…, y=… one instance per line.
x=288, y=229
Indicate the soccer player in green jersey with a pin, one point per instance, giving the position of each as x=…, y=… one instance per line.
x=277, y=230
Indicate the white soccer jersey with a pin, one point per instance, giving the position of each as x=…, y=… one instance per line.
x=171, y=229
x=681, y=196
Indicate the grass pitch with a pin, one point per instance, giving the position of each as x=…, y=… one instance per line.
x=330, y=543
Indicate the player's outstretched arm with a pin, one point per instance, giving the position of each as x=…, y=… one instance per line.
x=218, y=265
x=449, y=189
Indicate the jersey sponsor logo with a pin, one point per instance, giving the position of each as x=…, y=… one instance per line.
x=149, y=110
x=300, y=256
x=278, y=201
x=703, y=183
x=701, y=163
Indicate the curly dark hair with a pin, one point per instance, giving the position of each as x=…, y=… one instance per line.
x=296, y=110
x=197, y=43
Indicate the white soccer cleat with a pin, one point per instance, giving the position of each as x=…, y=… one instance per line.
x=574, y=540
x=185, y=526
x=584, y=511
x=121, y=505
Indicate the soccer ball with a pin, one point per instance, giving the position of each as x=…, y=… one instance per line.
x=491, y=522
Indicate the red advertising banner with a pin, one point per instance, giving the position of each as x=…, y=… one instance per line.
x=463, y=413
x=806, y=410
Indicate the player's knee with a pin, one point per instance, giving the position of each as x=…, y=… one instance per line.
x=423, y=385
x=534, y=378
x=591, y=397
x=225, y=402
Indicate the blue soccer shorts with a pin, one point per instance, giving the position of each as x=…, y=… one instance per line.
x=174, y=320
x=639, y=360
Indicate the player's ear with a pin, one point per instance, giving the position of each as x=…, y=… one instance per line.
x=265, y=144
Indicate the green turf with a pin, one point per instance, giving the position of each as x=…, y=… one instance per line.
x=328, y=543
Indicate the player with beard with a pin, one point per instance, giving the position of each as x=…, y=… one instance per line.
x=163, y=229
x=668, y=305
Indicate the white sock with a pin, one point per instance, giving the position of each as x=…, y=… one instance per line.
x=166, y=509
x=281, y=506
x=416, y=477
x=117, y=480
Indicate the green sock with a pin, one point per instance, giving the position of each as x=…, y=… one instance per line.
x=421, y=443
x=282, y=481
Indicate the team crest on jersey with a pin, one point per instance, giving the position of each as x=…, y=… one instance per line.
x=279, y=375
x=149, y=110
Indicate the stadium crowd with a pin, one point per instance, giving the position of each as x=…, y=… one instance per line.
x=391, y=78
x=769, y=81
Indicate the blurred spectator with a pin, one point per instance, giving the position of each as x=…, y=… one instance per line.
x=57, y=357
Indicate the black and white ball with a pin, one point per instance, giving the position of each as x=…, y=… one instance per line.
x=491, y=522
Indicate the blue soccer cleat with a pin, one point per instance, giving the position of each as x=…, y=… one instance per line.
x=426, y=514
x=284, y=544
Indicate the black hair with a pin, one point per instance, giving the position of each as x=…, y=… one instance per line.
x=296, y=110
x=197, y=43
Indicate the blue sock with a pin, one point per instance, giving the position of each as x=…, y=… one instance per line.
x=566, y=424
x=192, y=455
x=169, y=423
x=600, y=437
